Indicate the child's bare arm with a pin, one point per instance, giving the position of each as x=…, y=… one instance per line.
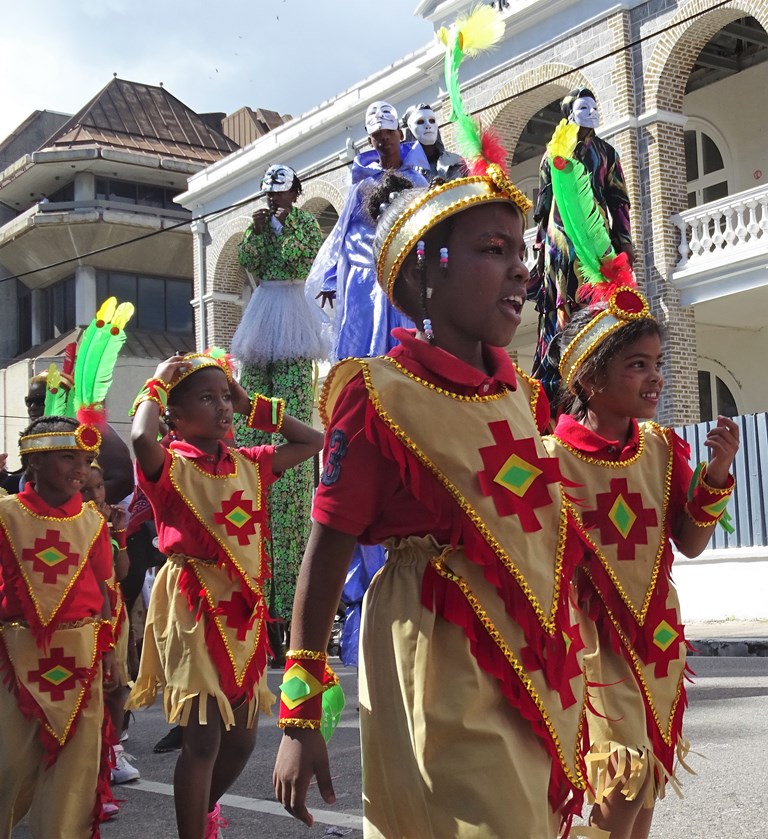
x=303, y=442
x=146, y=425
x=302, y=753
x=723, y=443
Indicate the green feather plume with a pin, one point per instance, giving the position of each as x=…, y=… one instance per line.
x=99, y=347
x=583, y=222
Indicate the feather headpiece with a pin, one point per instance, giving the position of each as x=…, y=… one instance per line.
x=470, y=35
x=97, y=353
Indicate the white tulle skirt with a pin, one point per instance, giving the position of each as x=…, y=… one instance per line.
x=278, y=324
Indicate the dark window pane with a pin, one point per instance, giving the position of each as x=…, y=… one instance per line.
x=726, y=404
x=712, y=160
x=691, y=157
x=102, y=189
x=170, y=204
x=151, y=305
x=705, y=396
x=179, y=316
x=102, y=287
x=714, y=192
x=691, y=200
x=150, y=196
x=122, y=191
x=122, y=286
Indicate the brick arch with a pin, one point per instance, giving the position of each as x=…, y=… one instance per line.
x=318, y=193
x=531, y=91
x=673, y=56
x=225, y=274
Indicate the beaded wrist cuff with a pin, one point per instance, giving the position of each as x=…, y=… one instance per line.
x=707, y=504
x=301, y=691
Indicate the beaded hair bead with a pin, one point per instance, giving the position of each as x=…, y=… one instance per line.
x=420, y=254
x=444, y=258
x=427, y=330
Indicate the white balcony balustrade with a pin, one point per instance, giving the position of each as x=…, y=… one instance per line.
x=725, y=231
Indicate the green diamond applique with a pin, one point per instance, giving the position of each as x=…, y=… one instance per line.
x=238, y=517
x=57, y=675
x=622, y=516
x=664, y=635
x=516, y=475
x=51, y=556
x=295, y=689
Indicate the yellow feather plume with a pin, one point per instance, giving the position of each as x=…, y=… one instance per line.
x=481, y=29
x=107, y=309
x=53, y=379
x=563, y=140
x=122, y=315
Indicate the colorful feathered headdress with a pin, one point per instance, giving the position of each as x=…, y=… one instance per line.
x=484, y=153
x=607, y=277
x=212, y=357
x=97, y=353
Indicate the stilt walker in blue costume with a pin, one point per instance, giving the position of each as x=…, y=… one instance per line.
x=344, y=277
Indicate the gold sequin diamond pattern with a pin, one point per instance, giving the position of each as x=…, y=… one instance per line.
x=57, y=675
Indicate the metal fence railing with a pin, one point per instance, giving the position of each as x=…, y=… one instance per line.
x=748, y=503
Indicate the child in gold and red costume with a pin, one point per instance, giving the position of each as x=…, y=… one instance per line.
x=55, y=637
x=205, y=641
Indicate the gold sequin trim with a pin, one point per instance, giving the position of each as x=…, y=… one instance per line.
x=307, y=655
x=297, y=722
x=577, y=779
x=608, y=464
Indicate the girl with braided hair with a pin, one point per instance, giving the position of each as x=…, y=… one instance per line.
x=469, y=655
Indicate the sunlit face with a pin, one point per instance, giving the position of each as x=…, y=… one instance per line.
x=59, y=475
x=585, y=113
x=203, y=412
x=479, y=299
x=633, y=381
x=423, y=126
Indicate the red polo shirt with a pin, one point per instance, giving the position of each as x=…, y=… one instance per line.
x=365, y=496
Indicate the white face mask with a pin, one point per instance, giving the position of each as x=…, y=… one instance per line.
x=380, y=115
x=585, y=113
x=423, y=125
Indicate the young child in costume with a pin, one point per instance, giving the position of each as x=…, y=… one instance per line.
x=56, y=637
x=633, y=501
x=634, y=497
x=469, y=653
x=117, y=519
x=205, y=641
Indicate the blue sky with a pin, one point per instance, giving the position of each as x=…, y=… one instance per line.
x=217, y=55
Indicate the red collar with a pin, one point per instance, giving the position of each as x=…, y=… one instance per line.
x=446, y=370
x=580, y=437
x=37, y=504
x=207, y=461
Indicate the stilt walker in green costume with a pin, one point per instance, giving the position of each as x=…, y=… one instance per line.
x=276, y=342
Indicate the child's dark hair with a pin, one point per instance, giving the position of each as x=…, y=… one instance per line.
x=385, y=210
x=576, y=400
x=44, y=425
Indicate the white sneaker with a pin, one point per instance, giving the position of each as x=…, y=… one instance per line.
x=124, y=771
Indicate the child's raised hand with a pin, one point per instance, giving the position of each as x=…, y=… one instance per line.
x=723, y=443
x=167, y=370
x=241, y=402
x=118, y=518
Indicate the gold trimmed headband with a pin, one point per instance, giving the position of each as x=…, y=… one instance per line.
x=215, y=357
x=86, y=438
x=625, y=305
x=435, y=204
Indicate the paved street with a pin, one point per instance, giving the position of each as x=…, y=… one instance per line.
x=727, y=723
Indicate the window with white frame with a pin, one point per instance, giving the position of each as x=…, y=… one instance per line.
x=705, y=168
x=719, y=393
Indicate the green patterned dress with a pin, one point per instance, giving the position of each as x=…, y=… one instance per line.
x=276, y=342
